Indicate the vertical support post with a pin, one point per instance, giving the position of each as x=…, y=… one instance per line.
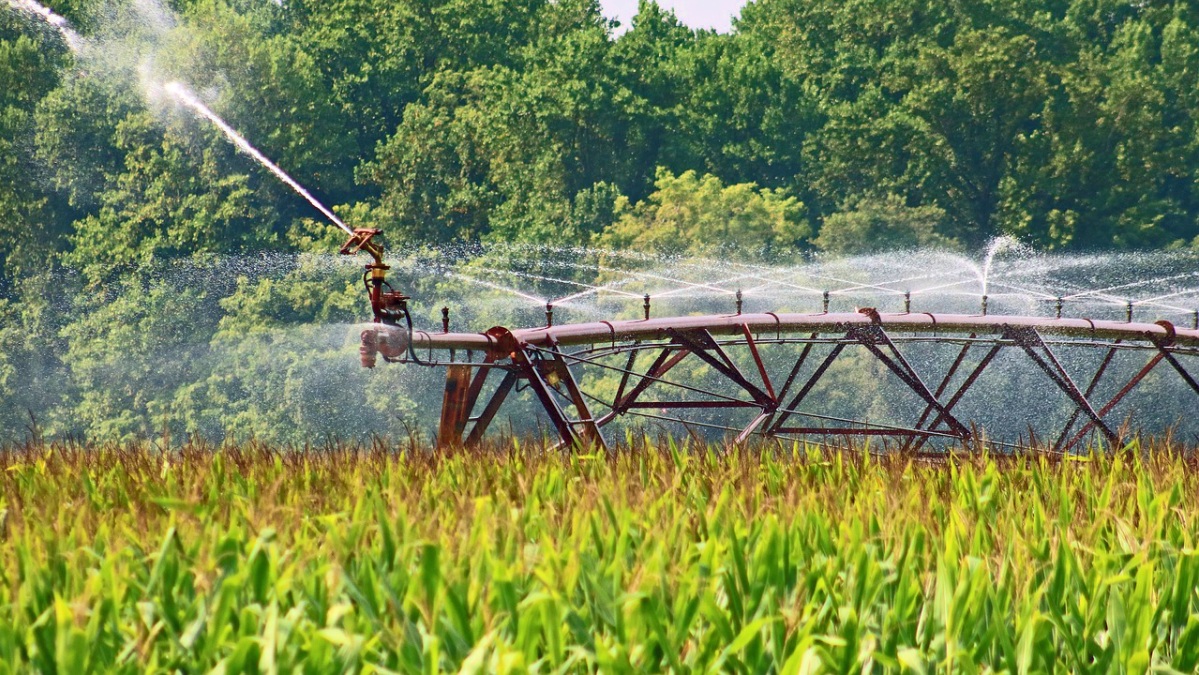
x=455, y=406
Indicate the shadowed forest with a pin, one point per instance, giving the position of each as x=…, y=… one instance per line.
x=815, y=126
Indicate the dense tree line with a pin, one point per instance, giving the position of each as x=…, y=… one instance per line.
x=1070, y=124
x=815, y=124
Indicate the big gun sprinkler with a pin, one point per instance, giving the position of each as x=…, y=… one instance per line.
x=389, y=306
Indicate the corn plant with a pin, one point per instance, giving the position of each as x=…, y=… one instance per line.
x=249, y=559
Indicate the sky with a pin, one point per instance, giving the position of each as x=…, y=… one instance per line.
x=716, y=14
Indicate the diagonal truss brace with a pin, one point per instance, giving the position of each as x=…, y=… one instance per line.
x=880, y=345
x=1030, y=341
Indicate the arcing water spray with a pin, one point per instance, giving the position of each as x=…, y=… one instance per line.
x=181, y=94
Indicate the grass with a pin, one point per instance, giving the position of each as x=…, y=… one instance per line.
x=250, y=559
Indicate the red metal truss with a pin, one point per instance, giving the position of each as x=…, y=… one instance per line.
x=554, y=363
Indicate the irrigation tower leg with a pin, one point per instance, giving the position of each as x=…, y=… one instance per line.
x=530, y=369
x=455, y=405
x=591, y=430
x=492, y=407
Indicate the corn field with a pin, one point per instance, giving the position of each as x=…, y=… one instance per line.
x=248, y=559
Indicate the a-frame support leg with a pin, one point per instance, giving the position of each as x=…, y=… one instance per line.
x=456, y=405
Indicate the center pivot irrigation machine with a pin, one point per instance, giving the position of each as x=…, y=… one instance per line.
x=760, y=369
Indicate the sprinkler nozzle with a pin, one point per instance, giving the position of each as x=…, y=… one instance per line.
x=1059, y=306
x=549, y=315
x=361, y=240
x=825, y=302
x=984, y=305
x=445, y=319
x=907, y=302
x=1128, y=311
x=646, y=306
x=738, y=296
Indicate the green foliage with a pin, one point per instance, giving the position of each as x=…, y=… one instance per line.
x=876, y=225
x=132, y=358
x=844, y=125
x=166, y=204
x=248, y=559
x=29, y=71
x=1070, y=126
x=690, y=214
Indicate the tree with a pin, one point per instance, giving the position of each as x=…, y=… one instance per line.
x=502, y=154
x=872, y=225
x=171, y=200
x=28, y=73
x=700, y=215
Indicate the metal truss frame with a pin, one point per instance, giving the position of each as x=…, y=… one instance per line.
x=553, y=373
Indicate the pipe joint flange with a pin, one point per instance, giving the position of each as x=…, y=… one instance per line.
x=1171, y=332
x=872, y=313
x=503, y=343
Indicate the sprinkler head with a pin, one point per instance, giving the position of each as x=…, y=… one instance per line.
x=445, y=319
x=1059, y=307
x=738, y=296
x=907, y=302
x=361, y=240
x=825, y=302
x=646, y=306
x=984, y=305
x=1128, y=311
x=549, y=315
